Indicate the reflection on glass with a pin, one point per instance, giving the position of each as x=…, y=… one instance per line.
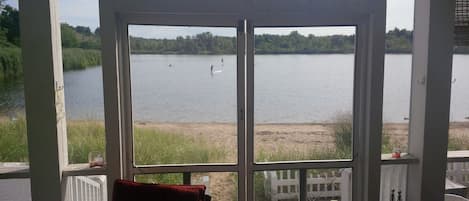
x=457, y=178
x=329, y=184
x=459, y=110
x=303, y=85
x=276, y=185
x=164, y=178
x=221, y=186
x=86, y=188
x=184, y=94
x=321, y=184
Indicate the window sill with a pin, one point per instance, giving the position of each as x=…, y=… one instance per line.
x=14, y=170
x=458, y=156
x=387, y=159
x=82, y=169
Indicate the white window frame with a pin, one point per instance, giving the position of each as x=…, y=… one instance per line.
x=363, y=93
x=130, y=168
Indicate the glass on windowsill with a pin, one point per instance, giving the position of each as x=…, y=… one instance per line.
x=396, y=153
x=96, y=159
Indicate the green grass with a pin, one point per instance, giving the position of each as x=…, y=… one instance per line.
x=154, y=146
x=83, y=138
x=77, y=59
x=73, y=59
x=10, y=63
x=458, y=143
x=158, y=147
x=13, y=141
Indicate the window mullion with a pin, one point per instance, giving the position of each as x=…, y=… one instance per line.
x=241, y=102
x=250, y=109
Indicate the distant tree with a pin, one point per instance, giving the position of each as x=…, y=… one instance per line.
x=9, y=23
x=2, y=4
x=97, y=32
x=83, y=30
x=69, y=36
x=3, y=39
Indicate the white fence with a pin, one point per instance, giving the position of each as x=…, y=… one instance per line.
x=90, y=188
x=336, y=185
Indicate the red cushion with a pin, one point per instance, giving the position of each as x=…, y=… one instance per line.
x=132, y=191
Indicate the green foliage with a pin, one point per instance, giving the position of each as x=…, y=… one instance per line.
x=3, y=39
x=69, y=36
x=167, y=178
x=343, y=132
x=260, y=193
x=343, y=135
x=399, y=41
x=79, y=37
x=10, y=63
x=456, y=143
x=83, y=138
x=76, y=58
x=204, y=43
x=13, y=140
x=158, y=147
x=9, y=23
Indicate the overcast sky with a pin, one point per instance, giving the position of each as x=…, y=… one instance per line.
x=86, y=13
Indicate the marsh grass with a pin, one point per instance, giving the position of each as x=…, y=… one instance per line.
x=13, y=141
x=153, y=146
x=83, y=138
x=77, y=59
x=456, y=143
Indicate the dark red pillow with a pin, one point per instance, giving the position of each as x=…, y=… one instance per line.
x=132, y=191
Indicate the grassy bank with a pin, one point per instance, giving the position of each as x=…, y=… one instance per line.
x=10, y=63
x=77, y=59
x=153, y=146
x=73, y=59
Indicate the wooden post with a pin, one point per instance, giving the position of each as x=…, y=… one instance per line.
x=44, y=95
x=430, y=98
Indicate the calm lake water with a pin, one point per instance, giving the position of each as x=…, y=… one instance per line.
x=288, y=88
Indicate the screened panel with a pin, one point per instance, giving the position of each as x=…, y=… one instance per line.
x=303, y=93
x=397, y=75
x=184, y=94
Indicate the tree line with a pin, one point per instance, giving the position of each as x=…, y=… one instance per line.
x=398, y=41
x=82, y=45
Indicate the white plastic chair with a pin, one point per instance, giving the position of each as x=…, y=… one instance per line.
x=451, y=197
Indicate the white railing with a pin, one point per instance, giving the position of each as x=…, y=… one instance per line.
x=90, y=188
x=393, y=177
x=458, y=172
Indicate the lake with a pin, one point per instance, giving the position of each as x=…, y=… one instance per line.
x=288, y=89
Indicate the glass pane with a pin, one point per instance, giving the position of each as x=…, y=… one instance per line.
x=459, y=111
x=303, y=93
x=397, y=75
x=329, y=184
x=84, y=100
x=82, y=188
x=13, y=139
x=393, y=182
x=276, y=185
x=221, y=186
x=457, y=178
x=183, y=94
x=165, y=178
x=15, y=190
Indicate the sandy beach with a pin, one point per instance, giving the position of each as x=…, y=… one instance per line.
x=276, y=137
